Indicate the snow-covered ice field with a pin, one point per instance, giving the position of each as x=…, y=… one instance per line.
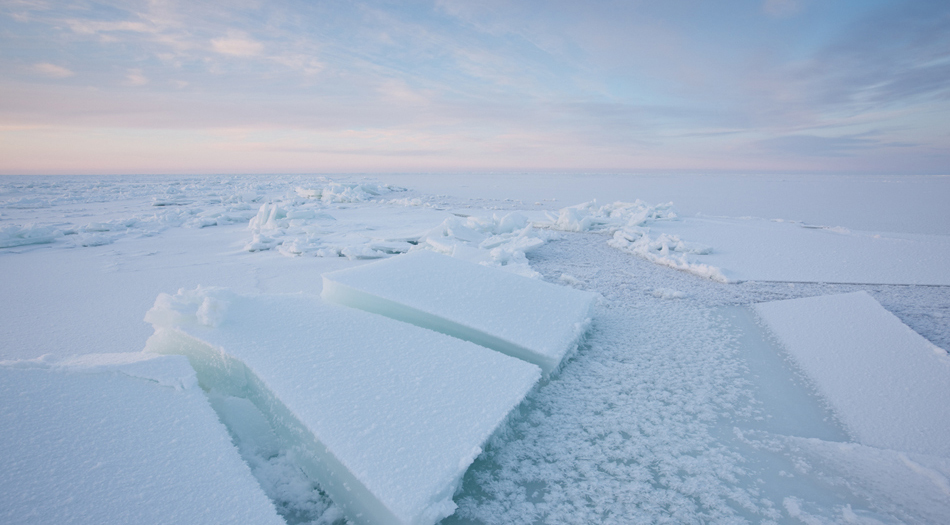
x=684, y=402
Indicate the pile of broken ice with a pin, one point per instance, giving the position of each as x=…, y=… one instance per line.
x=385, y=412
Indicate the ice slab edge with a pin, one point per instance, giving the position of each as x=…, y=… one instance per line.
x=222, y=374
x=887, y=384
x=525, y=318
x=352, y=297
x=384, y=415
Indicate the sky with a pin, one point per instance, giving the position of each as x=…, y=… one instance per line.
x=295, y=86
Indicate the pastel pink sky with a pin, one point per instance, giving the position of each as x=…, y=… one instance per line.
x=284, y=86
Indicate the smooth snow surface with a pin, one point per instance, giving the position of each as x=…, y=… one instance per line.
x=524, y=318
x=118, y=438
x=888, y=384
x=386, y=416
x=759, y=250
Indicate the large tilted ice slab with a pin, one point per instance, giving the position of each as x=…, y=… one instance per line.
x=887, y=384
x=118, y=438
x=385, y=415
x=525, y=318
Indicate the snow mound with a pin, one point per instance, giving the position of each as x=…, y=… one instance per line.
x=885, y=382
x=104, y=439
x=524, y=318
x=384, y=415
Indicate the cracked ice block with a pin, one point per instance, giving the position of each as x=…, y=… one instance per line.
x=887, y=384
x=384, y=415
x=118, y=438
x=525, y=318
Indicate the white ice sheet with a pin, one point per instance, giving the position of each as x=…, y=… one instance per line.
x=118, y=438
x=888, y=385
x=385, y=415
x=525, y=318
x=761, y=250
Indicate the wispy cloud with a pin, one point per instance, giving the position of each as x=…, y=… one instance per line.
x=91, y=27
x=893, y=57
x=237, y=44
x=306, y=64
x=51, y=70
x=134, y=77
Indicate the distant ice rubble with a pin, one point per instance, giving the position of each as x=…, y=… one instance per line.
x=191, y=206
x=301, y=225
x=628, y=224
x=306, y=226
x=310, y=225
x=13, y=235
x=309, y=221
x=385, y=414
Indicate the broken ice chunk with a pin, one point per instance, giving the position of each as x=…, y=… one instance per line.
x=384, y=415
x=118, y=438
x=887, y=383
x=525, y=318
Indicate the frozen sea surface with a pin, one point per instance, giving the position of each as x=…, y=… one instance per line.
x=678, y=407
x=113, y=438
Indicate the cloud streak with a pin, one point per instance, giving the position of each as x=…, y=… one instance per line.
x=52, y=70
x=237, y=44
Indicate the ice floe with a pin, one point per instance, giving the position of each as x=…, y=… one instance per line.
x=885, y=382
x=118, y=438
x=524, y=318
x=386, y=416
